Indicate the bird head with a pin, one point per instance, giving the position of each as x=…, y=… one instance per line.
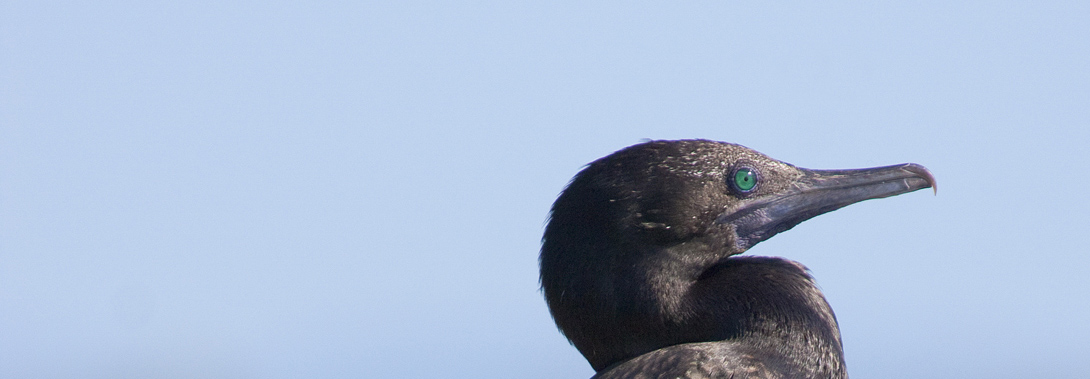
x=634, y=230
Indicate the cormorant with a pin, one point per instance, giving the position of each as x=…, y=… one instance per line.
x=640, y=270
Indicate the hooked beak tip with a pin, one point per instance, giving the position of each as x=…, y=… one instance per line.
x=925, y=174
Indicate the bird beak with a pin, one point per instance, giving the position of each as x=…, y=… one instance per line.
x=817, y=192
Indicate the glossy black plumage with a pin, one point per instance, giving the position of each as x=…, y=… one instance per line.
x=639, y=265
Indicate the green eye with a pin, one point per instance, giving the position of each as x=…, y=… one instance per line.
x=745, y=179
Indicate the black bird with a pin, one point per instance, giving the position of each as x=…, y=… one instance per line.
x=639, y=261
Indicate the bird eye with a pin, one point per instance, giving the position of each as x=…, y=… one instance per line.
x=745, y=179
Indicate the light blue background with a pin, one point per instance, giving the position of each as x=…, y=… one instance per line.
x=289, y=190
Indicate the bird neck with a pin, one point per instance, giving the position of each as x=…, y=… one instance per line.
x=766, y=306
x=771, y=306
x=618, y=298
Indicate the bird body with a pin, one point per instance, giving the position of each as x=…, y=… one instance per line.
x=640, y=270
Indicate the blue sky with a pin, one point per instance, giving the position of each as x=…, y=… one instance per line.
x=332, y=189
